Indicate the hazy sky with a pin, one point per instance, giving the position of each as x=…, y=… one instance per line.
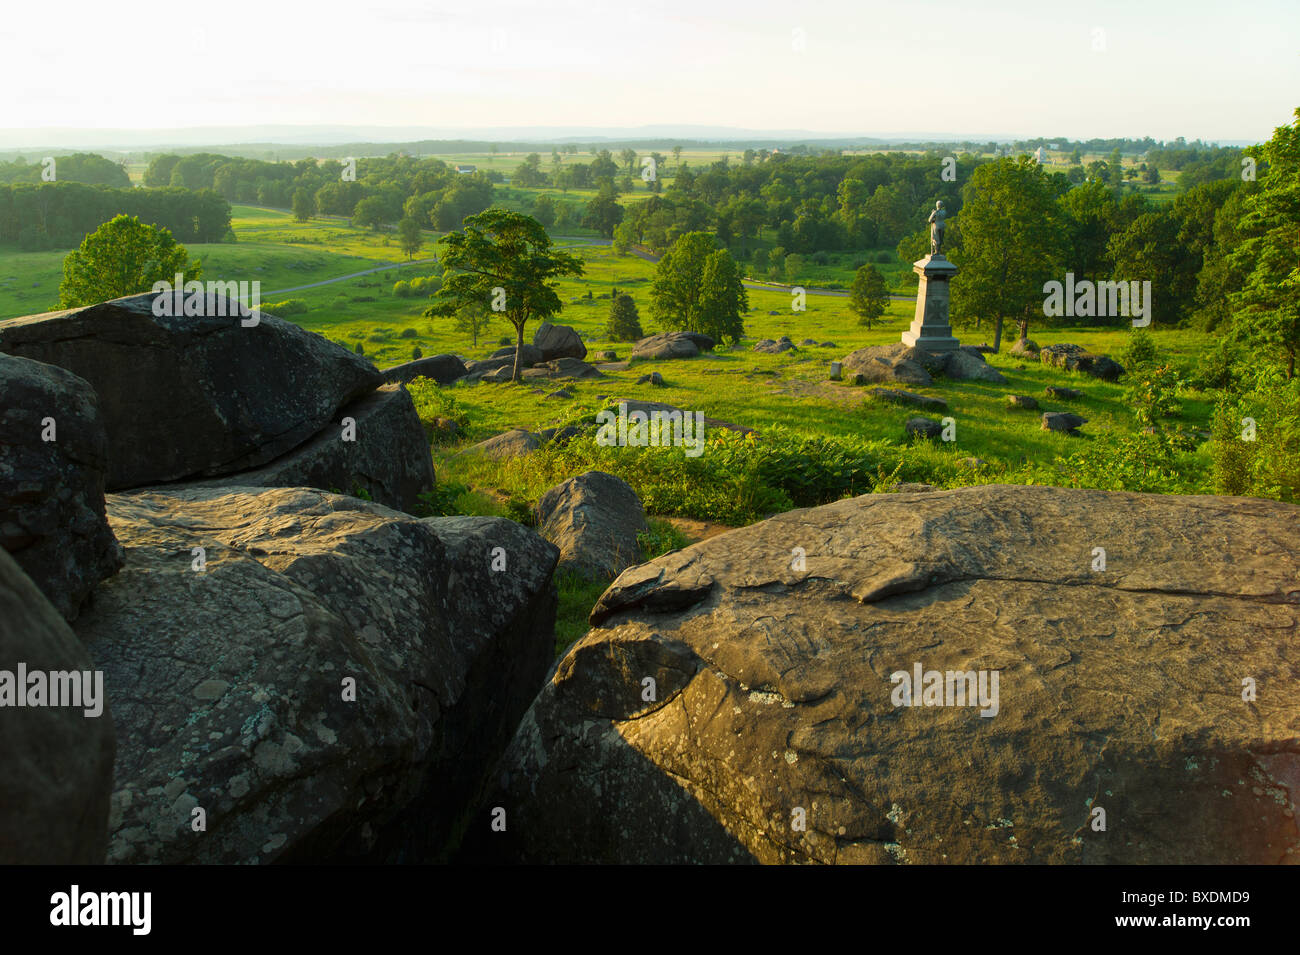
x=1224, y=70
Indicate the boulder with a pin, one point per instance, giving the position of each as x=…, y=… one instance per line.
x=1025, y=346
x=1023, y=401
x=509, y=445
x=1062, y=421
x=388, y=457
x=52, y=492
x=563, y=368
x=1065, y=394
x=607, y=356
x=332, y=687
x=594, y=520
x=672, y=345
x=921, y=427
x=769, y=347
x=1076, y=358
x=529, y=354
x=558, y=341
x=561, y=394
x=916, y=366
x=58, y=760
x=190, y=396
x=654, y=378
x=809, y=342
x=444, y=369
x=560, y=436
x=776, y=691
x=894, y=396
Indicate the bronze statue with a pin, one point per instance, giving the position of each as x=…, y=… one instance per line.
x=936, y=228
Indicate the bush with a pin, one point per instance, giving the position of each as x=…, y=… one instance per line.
x=1152, y=393
x=416, y=352
x=624, y=321
x=505, y=341
x=1263, y=461
x=884, y=258
x=1139, y=351
x=1215, y=368
x=408, y=333
x=402, y=288
x=360, y=349
x=290, y=306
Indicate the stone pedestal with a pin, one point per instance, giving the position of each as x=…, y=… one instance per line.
x=930, y=329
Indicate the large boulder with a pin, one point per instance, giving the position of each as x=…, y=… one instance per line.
x=57, y=759
x=444, y=369
x=916, y=366
x=895, y=396
x=594, y=520
x=672, y=345
x=529, y=355
x=332, y=686
x=563, y=368
x=769, y=346
x=730, y=704
x=385, y=455
x=1076, y=358
x=511, y=444
x=52, y=491
x=558, y=341
x=1064, y=421
x=187, y=396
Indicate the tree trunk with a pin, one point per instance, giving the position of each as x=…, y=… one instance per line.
x=1024, y=329
x=997, y=336
x=519, y=351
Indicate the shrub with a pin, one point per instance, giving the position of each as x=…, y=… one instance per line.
x=408, y=333
x=1152, y=394
x=402, y=288
x=624, y=321
x=1215, y=368
x=290, y=306
x=1139, y=351
x=416, y=352
x=360, y=349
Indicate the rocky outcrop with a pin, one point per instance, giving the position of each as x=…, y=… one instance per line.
x=895, y=396
x=52, y=469
x=191, y=396
x=444, y=369
x=558, y=341
x=731, y=704
x=511, y=444
x=1076, y=358
x=1062, y=421
x=921, y=427
x=563, y=368
x=916, y=366
x=330, y=685
x=769, y=346
x=58, y=760
x=383, y=452
x=672, y=345
x=594, y=520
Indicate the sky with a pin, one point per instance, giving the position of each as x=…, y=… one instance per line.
x=1217, y=71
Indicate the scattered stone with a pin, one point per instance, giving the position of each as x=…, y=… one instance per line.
x=1062, y=421
x=1065, y=394
x=920, y=427
x=907, y=365
x=654, y=378
x=561, y=393
x=770, y=347
x=672, y=345
x=58, y=761
x=1075, y=358
x=607, y=356
x=909, y=398
x=594, y=520
x=444, y=369
x=52, y=491
x=1022, y=401
x=808, y=341
x=559, y=341
x=563, y=368
x=1025, y=346
x=509, y=445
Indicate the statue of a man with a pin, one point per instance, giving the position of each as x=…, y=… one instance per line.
x=936, y=228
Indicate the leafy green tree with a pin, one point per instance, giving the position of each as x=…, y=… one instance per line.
x=603, y=213
x=1267, y=309
x=1088, y=215
x=122, y=257
x=868, y=296
x=624, y=320
x=471, y=318
x=697, y=287
x=544, y=211
x=503, y=260
x=369, y=213
x=1009, y=244
x=409, y=236
x=304, y=204
x=1148, y=250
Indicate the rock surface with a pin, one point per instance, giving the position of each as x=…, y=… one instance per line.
x=511, y=444
x=594, y=520
x=1027, y=402
x=894, y=396
x=920, y=427
x=1065, y=394
x=563, y=368
x=57, y=761
x=388, y=459
x=1062, y=421
x=52, y=492
x=228, y=686
x=444, y=369
x=769, y=347
x=915, y=366
x=1076, y=358
x=1119, y=689
x=193, y=396
x=672, y=345
x=558, y=341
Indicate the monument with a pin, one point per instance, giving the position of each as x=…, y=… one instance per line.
x=930, y=328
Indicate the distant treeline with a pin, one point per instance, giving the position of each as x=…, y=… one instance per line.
x=384, y=190
x=77, y=167
x=52, y=215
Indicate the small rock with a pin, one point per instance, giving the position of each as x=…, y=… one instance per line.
x=654, y=378
x=1062, y=421
x=1022, y=401
x=1065, y=394
x=923, y=428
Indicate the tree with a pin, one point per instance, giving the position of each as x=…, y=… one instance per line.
x=603, y=213
x=628, y=156
x=624, y=320
x=544, y=211
x=471, y=319
x=369, y=213
x=868, y=297
x=677, y=156
x=697, y=288
x=409, y=236
x=1009, y=236
x=1267, y=309
x=304, y=204
x=503, y=260
x=122, y=257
